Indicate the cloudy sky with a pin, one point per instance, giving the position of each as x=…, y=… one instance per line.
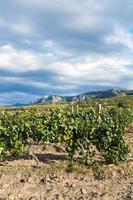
x=64, y=47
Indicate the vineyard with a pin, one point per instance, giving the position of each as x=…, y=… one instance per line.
x=83, y=132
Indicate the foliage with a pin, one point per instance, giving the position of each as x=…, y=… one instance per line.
x=79, y=130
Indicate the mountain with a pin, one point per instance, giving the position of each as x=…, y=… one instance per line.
x=18, y=104
x=49, y=99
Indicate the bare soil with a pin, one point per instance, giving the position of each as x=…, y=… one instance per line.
x=21, y=179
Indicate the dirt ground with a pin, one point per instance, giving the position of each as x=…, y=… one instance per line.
x=21, y=179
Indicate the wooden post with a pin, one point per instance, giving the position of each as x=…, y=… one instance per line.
x=100, y=107
x=72, y=108
x=99, y=111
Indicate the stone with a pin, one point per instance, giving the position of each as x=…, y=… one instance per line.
x=11, y=197
x=83, y=191
x=30, y=180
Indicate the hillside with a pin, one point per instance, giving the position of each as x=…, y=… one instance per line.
x=48, y=99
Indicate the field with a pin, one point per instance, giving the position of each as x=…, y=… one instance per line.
x=75, y=153
x=22, y=179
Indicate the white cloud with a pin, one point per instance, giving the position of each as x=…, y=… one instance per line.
x=90, y=68
x=47, y=44
x=18, y=60
x=94, y=67
x=121, y=36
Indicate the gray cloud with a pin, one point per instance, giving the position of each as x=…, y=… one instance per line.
x=64, y=47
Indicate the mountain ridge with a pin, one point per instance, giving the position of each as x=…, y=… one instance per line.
x=101, y=94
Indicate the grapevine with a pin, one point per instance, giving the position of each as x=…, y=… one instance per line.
x=78, y=129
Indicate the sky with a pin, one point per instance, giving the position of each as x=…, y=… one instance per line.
x=64, y=47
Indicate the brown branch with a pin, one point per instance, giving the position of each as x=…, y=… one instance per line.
x=30, y=153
